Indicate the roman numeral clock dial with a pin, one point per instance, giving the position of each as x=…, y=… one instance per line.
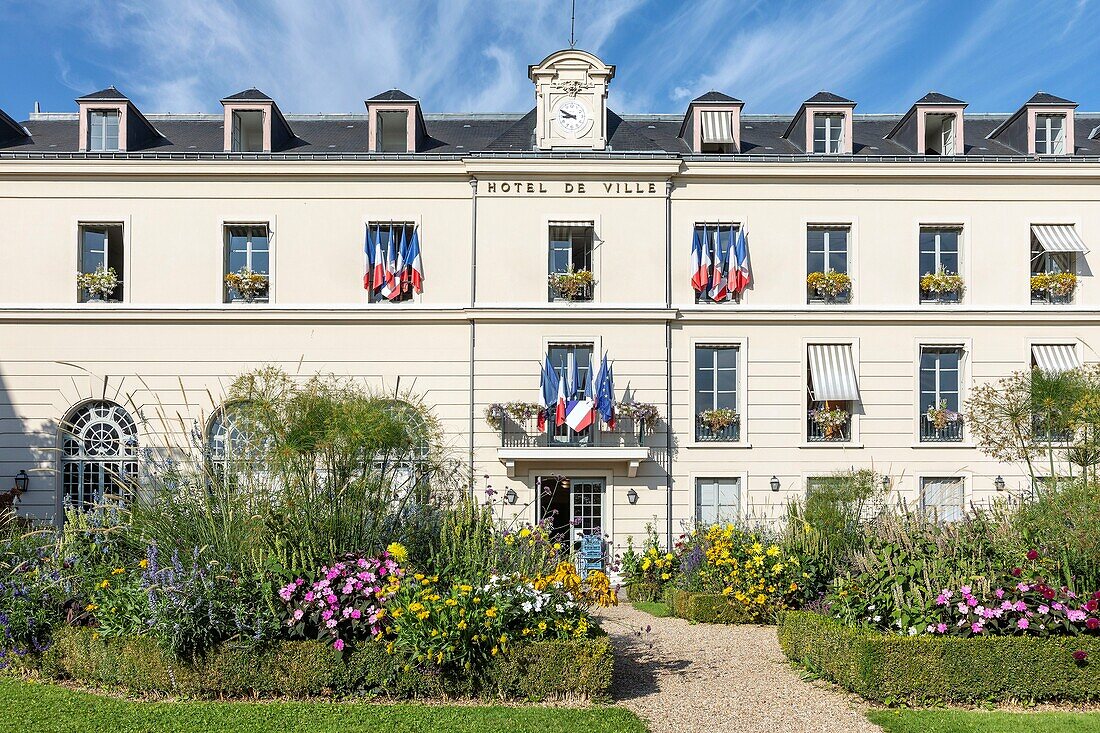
x=571, y=117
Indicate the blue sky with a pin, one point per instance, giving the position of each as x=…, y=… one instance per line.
x=472, y=55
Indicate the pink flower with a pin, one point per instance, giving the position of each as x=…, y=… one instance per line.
x=309, y=596
x=971, y=601
x=976, y=628
x=297, y=614
x=1076, y=615
x=1023, y=587
x=338, y=645
x=1057, y=606
x=326, y=615
x=1023, y=623
x=331, y=623
x=1021, y=606
x=1043, y=609
x=1007, y=605
x=941, y=600
x=941, y=628
x=961, y=608
x=988, y=613
x=356, y=613
x=1092, y=624
x=965, y=590
x=1000, y=593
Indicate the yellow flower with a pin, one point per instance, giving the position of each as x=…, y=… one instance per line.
x=761, y=599
x=422, y=615
x=118, y=571
x=542, y=626
x=91, y=607
x=525, y=532
x=143, y=564
x=504, y=638
x=462, y=624
x=465, y=588
x=105, y=584
x=451, y=602
x=419, y=576
x=491, y=611
x=773, y=551
x=400, y=554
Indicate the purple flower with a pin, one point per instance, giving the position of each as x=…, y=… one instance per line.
x=1076, y=615
x=1000, y=593
x=976, y=627
x=1021, y=606
x=941, y=628
x=1080, y=655
x=1043, y=609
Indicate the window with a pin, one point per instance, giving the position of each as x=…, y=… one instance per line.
x=1054, y=251
x=827, y=252
x=832, y=389
x=942, y=499
x=717, y=500
x=393, y=134
x=247, y=253
x=939, y=256
x=716, y=414
x=227, y=439
x=940, y=368
x=103, y=130
x=248, y=131
x=573, y=364
x=392, y=242
x=98, y=454
x=570, y=253
x=710, y=277
x=102, y=248
x=828, y=133
x=717, y=132
x=939, y=134
x=1050, y=134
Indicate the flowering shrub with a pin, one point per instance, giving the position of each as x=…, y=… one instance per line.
x=648, y=572
x=30, y=601
x=247, y=283
x=829, y=284
x=1054, y=284
x=757, y=576
x=347, y=603
x=1020, y=604
x=595, y=589
x=119, y=603
x=941, y=281
x=100, y=283
x=644, y=414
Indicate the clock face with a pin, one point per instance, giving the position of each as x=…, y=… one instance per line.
x=571, y=116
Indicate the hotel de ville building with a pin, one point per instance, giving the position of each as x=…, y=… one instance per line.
x=554, y=238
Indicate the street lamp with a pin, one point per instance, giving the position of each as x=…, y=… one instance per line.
x=775, y=483
x=885, y=483
x=632, y=496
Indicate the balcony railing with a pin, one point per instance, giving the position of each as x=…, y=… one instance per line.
x=585, y=294
x=515, y=434
x=706, y=434
x=812, y=296
x=952, y=432
x=1041, y=298
x=815, y=433
x=1043, y=433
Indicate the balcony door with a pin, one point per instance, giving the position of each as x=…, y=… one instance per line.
x=571, y=507
x=573, y=364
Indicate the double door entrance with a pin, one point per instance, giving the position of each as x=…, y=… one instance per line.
x=572, y=508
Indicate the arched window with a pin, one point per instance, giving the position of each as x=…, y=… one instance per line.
x=98, y=453
x=408, y=468
x=226, y=437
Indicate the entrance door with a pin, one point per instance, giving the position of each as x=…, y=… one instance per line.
x=571, y=507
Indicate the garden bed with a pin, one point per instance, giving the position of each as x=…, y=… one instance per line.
x=578, y=670
x=894, y=669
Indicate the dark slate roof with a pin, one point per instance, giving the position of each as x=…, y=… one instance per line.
x=827, y=98
x=248, y=95
x=10, y=130
x=937, y=98
x=458, y=135
x=393, y=95
x=108, y=93
x=713, y=96
x=1044, y=98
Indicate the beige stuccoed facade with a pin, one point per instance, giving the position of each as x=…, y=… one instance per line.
x=480, y=330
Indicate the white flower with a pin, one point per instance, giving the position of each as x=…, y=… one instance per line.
x=877, y=619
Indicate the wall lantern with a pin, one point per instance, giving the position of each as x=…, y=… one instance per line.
x=885, y=483
x=999, y=483
x=21, y=481
x=775, y=483
x=632, y=496
x=511, y=496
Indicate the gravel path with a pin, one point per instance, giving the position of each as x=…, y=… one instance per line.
x=686, y=678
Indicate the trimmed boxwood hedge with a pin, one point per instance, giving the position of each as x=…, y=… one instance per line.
x=543, y=670
x=704, y=608
x=894, y=669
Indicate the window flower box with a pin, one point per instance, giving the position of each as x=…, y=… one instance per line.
x=1053, y=286
x=643, y=414
x=941, y=285
x=721, y=424
x=829, y=286
x=940, y=416
x=521, y=412
x=98, y=284
x=248, y=284
x=831, y=423
x=572, y=285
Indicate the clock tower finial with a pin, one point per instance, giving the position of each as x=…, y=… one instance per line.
x=573, y=26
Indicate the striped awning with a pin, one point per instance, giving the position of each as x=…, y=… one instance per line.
x=717, y=126
x=833, y=373
x=1055, y=358
x=564, y=223
x=1059, y=238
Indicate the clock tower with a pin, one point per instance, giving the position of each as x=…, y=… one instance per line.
x=571, y=101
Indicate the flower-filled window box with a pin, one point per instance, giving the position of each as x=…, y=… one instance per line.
x=246, y=284
x=1053, y=287
x=941, y=423
x=722, y=424
x=941, y=286
x=520, y=412
x=643, y=414
x=830, y=287
x=828, y=423
x=98, y=284
x=572, y=285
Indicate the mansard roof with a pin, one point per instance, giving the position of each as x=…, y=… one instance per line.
x=108, y=94
x=248, y=95
x=393, y=95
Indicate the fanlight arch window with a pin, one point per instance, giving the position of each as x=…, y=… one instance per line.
x=99, y=444
x=408, y=469
x=227, y=439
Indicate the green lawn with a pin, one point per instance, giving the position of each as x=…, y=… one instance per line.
x=40, y=707
x=653, y=608
x=979, y=721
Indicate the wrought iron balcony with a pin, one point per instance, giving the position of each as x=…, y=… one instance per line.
x=515, y=434
x=584, y=294
x=706, y=434
x=815, y=433
x=952, y=432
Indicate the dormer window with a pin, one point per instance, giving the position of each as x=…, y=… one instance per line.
x=248, y=131
x=103, y=130
x=939, y=134
x=393, y=131
x=1050, y=134
x=713, y=124
x=829, y=133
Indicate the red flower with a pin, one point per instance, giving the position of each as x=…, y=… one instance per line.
x=1048, y=593
x=1092, y=623
x=1032, y=555
x=1016, y=572
x=1096, y=595
x=1080, y=655
x=1092, y=605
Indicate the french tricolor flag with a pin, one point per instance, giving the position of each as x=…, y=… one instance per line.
x=582, y=412
x=740, y=276
x=700, y=261
x=719, y=288
x=559, y=412
x=379, y=260
x=412, y=261
x=368, y=249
